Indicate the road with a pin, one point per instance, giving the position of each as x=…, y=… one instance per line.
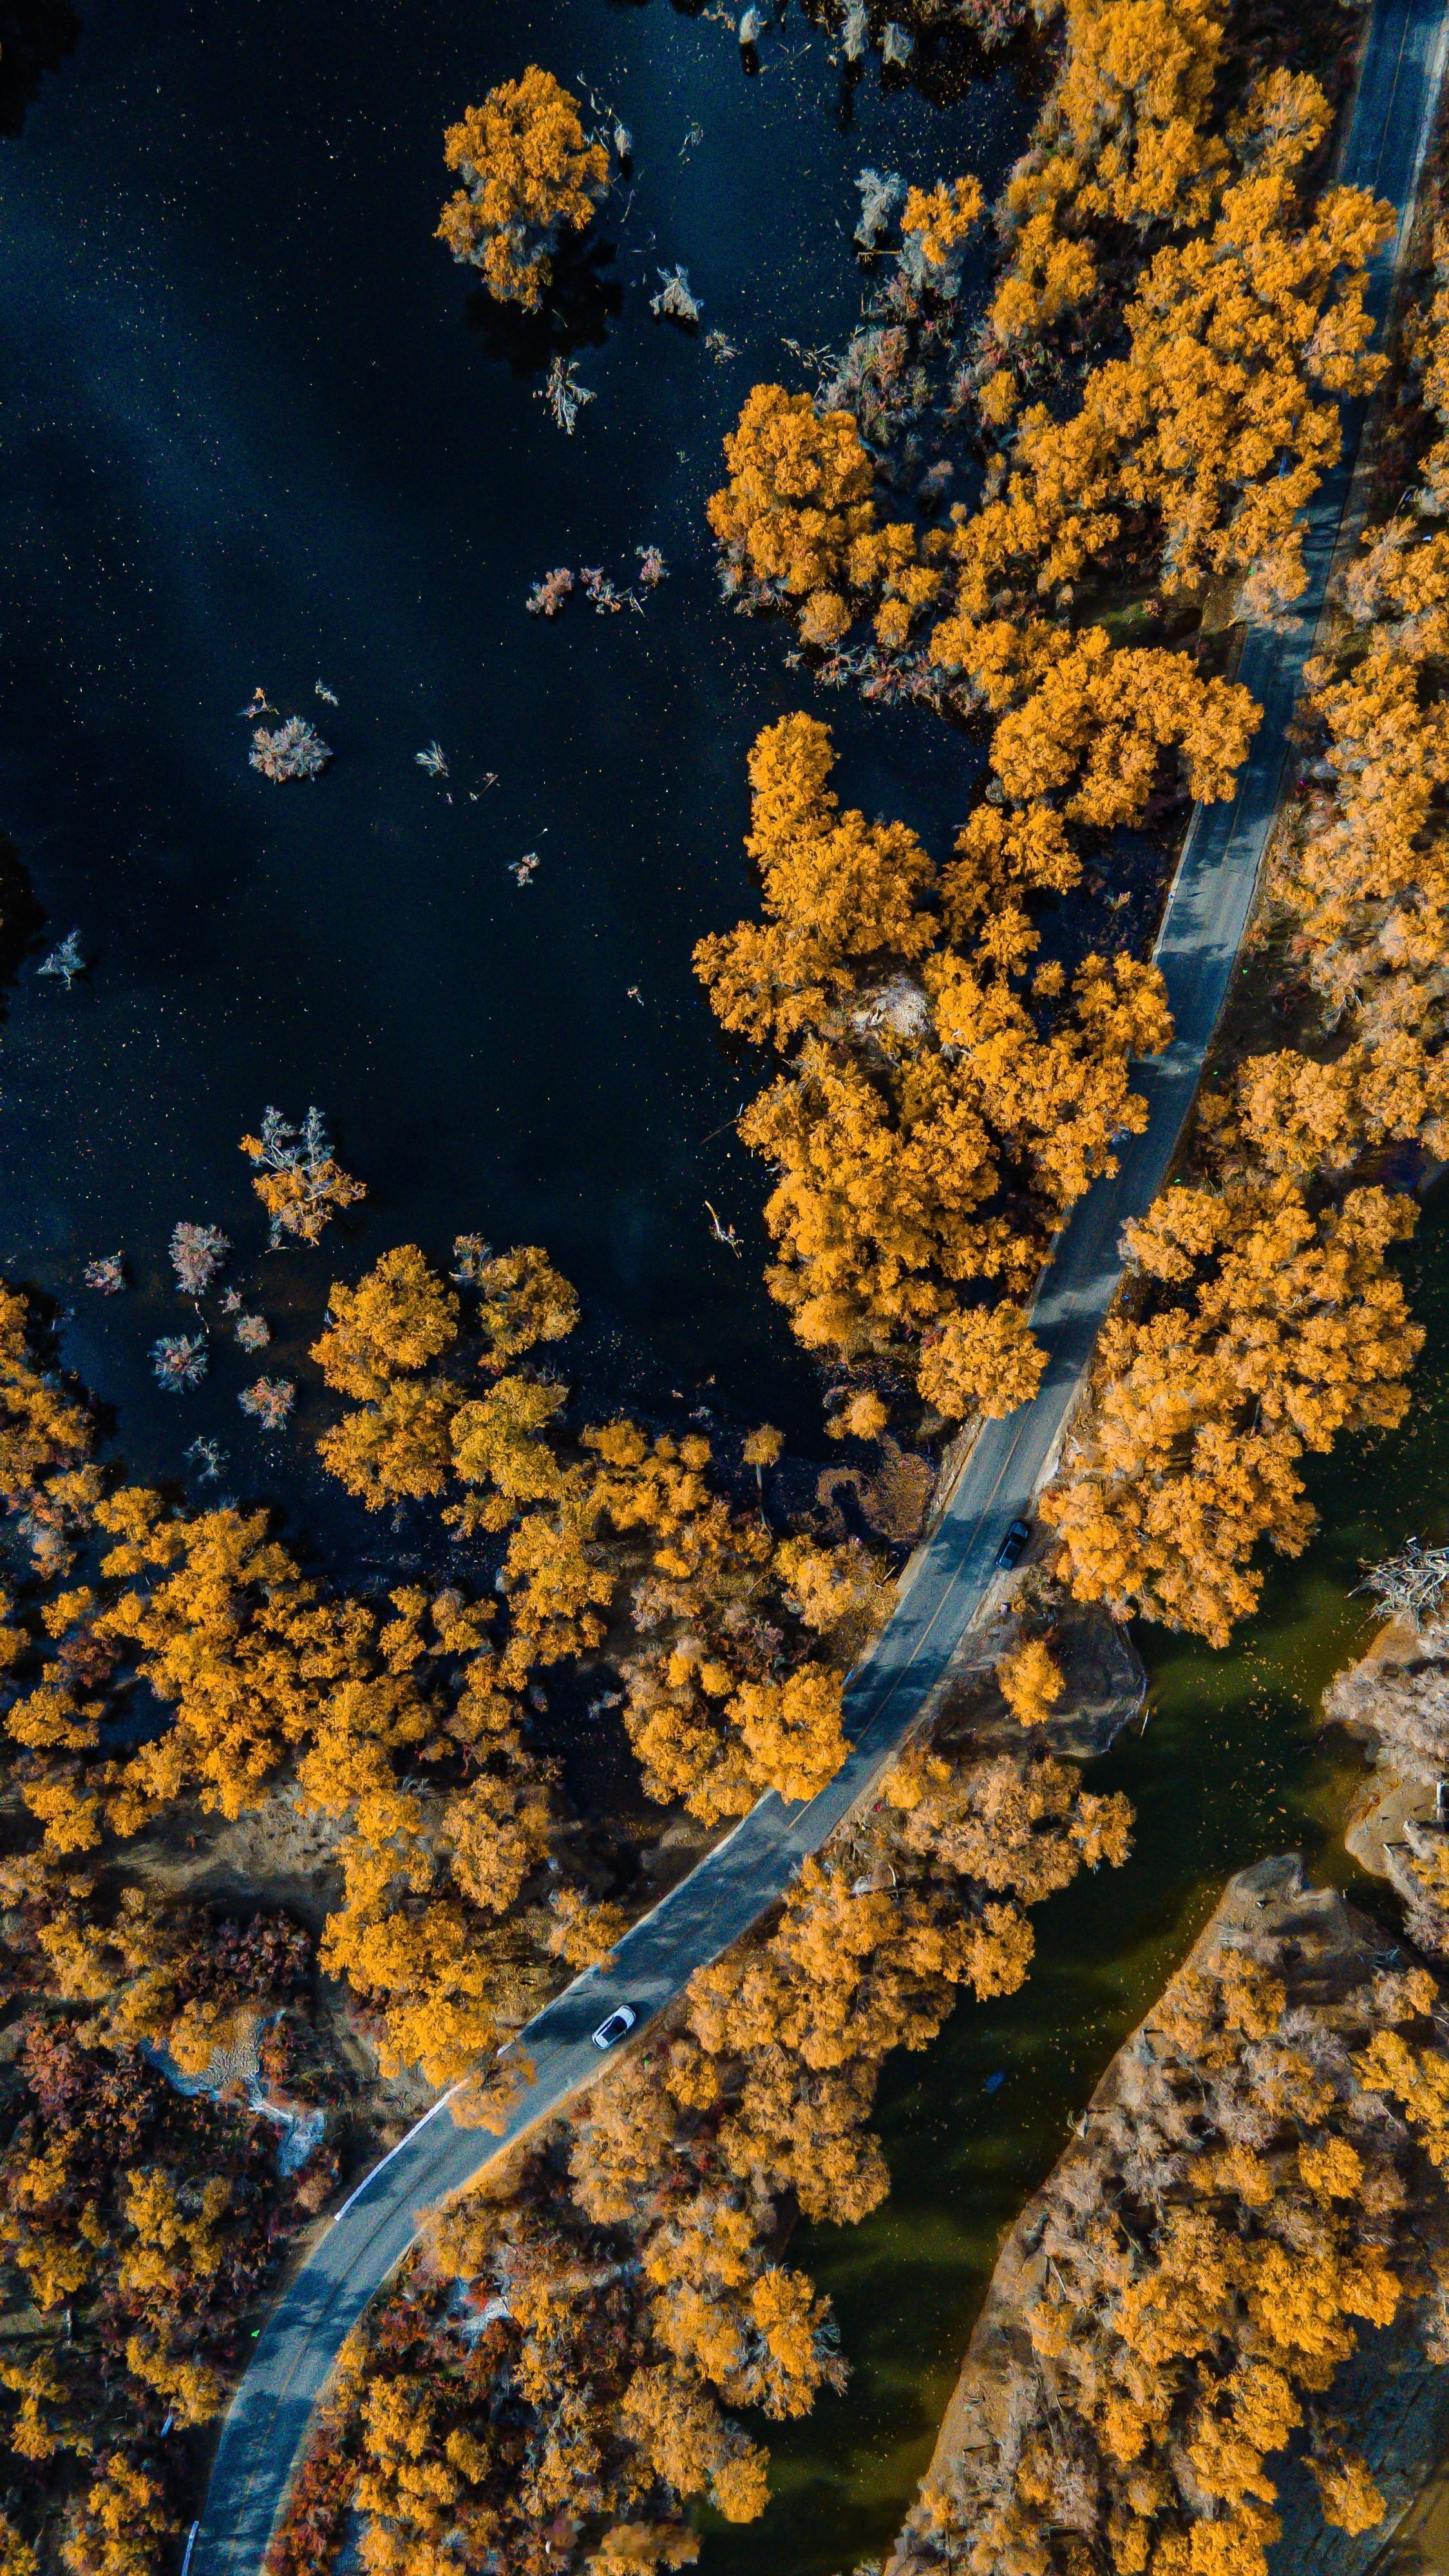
x=947, y=1580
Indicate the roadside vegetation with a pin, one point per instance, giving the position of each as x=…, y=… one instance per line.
x=1266, y=1317
x=559, y=2369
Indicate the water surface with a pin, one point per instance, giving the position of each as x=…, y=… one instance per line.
x=258, y=428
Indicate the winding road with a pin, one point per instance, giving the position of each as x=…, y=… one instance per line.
x=950, y=1576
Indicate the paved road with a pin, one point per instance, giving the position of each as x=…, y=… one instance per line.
x=949, y=1577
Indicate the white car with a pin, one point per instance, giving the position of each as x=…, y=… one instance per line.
x=615, y=2027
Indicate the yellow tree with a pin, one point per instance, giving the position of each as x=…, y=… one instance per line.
x=529, y=174
x=1290, y=1330
x=798, y=497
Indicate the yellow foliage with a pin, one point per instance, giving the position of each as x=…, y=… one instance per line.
x=397, y=1319
x=528, y=173
x=984, y=1360
x=1298, y=1331
x=1348, y=2496
x=919, y=1082
x=941, y=218
x=496, y=1441
x=1031, y=1681
x=122, y=2523
x=798, y=494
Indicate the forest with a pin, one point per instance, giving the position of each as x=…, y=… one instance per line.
x=1259, y=2188
x=585, y=2352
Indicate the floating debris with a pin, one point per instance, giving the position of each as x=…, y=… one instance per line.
x=107, y=1277
x=197, y=1253
x=750, y=29
x=328, y=696
x=724, y=1234
x=524, y=870
x=564, y=394
x=880, y=194
x=1411, y=1584
x=547, y=596
x=179, y=1360
x=295, y=750
x=231, y=1301
x=652, y=567
x=674, y=303
x=208, y=1458
x=897, y=44
x=598, y=587
x=65, y=961
x=633, y=994
x=623, y=142
x=721, y=347
x=261, y=705
x=269, y=1401
x=855, y=33
x=253, y=1332
x=691, y=142
x=432, y=760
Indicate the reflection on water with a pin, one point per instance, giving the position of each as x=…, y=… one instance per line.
x=1230, y=1767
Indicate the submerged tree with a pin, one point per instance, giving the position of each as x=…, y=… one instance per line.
x=269, y=1401
x=529, y=174
x=197, y=1253
x=300, y=1184
x=179, y=1360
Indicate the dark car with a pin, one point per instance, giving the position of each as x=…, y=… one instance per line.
x=615, y=2027
x=1011, y=1546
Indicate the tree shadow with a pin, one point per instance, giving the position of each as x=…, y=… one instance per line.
x=576, y=313
x=21, y=917
x=35, y=38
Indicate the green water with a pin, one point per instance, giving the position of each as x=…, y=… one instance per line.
x=1228, y=1767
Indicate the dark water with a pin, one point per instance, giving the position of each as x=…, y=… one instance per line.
x=258, y=428
x=1231, y=1766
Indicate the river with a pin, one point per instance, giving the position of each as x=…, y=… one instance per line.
x=256, y=430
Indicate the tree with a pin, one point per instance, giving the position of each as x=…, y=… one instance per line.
x=1099, y=721
x=522, y=1299
x=392, y=1324
x=497, y=1440
x=120, y=2524
x=299, y=1181
x=45, y=1436
x=1347, y=2494
x=397, y=1449
x=1031, y=1681
x=529, y=174
x=1222, y=418
x=985, y=1360
x=1296, y=1330
x=791, y=1730
x=927, y=1113
x=798, y=497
